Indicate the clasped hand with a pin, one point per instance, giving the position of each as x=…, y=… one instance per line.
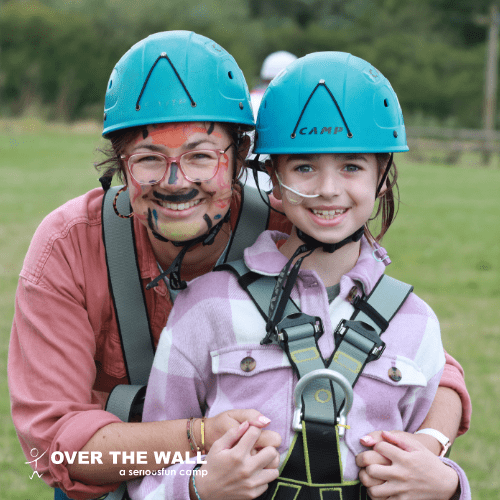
x=399, y=467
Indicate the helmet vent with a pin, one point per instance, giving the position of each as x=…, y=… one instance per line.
x=110, y=84
x=241, y=105
x=395, y=134
x=230, y=75
x=386, y=104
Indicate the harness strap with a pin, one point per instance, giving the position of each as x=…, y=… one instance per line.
x=358, y=341
x=253, y=220
x=312, y=469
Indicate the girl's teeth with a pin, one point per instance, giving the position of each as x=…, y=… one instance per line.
x=329, y=214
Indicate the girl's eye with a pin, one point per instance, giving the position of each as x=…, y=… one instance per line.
x=303, y=168
x=351, y=168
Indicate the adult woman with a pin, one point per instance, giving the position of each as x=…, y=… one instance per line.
x=65, y=353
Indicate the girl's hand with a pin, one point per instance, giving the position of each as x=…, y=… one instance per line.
x=401, y=468
x=216, y=427
x=233, y=471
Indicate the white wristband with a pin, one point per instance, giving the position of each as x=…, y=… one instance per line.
x=443, y=440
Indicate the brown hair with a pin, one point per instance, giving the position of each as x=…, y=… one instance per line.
x=388, y=202
x=119, y=139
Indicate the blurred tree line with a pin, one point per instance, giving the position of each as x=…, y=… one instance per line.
x=56, y=55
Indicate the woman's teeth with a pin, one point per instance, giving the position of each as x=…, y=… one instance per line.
x=329, y=214
x=179, y=206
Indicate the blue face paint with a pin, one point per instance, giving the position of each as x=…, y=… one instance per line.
x=172, y=179
x=218, y=216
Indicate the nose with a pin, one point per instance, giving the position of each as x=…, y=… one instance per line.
x=330, y=184
x=174, y=179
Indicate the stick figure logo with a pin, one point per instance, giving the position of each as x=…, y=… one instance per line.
x=34, y=453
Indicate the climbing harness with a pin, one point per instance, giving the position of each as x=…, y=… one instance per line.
x=126, y=401
x=323, y=395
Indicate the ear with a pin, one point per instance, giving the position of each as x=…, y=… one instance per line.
x=272, y=173
x=382, y=175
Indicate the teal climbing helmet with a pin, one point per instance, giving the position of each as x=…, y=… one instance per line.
x=176, y=76
x=330, y=102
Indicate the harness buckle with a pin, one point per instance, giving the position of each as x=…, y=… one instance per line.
x=334, y=377
x=366, y=331
x=293, y=327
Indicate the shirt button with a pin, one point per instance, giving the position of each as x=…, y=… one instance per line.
x=395, y=374
x=248, y=364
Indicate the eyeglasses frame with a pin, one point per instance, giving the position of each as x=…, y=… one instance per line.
x=176, y=160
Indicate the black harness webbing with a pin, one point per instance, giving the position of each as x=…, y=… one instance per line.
x=129, y=302
x=313, y=469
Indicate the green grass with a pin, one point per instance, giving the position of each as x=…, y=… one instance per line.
x=444, y=241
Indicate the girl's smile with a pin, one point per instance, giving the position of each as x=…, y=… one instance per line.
x=339, y=192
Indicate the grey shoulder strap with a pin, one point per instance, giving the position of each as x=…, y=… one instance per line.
x=253, y=220
x=126, y=290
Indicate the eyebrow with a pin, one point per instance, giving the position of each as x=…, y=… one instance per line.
x=315, y=156
x=187, y=147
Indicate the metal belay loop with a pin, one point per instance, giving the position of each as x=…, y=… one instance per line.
x=321, y=83
x=163, y=55
x=332, y=375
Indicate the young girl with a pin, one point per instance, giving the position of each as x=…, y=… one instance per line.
x=331, y=122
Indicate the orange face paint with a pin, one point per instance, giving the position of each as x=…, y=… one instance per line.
x=174, y=135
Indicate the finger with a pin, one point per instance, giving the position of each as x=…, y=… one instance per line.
x=366, y=458
x=268, y=438
x=248, y=440
x=265, y=457
x=253, y=417
x=367, y=480
x=402, y=440
x=391, y=452
x=371, y=439
x=231, y=437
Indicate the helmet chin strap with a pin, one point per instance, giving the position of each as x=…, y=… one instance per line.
x=313, y=243
x=175, y=268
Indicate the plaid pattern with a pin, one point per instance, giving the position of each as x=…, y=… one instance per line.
x=214, y=326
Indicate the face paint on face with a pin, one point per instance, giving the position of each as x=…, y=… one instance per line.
x=176, y=198
x=174, y=135
x=207, y=219
x=172, y=179
x=177, y=209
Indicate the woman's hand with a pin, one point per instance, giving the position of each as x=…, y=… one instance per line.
x=233, y=470
x=400, y=467
x=216, y=427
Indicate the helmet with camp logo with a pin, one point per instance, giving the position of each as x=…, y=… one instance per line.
x=176, y=76
x=329, y=102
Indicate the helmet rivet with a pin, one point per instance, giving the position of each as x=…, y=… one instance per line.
x=163, y=54
x=395, y=134
x=293, y=136
x=241, y=105
x=138, y=107
x=322, y=81
x=193, y=105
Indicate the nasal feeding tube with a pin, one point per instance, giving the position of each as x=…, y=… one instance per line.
x=290, y=192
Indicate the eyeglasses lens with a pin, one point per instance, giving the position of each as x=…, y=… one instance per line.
x=149, y=168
